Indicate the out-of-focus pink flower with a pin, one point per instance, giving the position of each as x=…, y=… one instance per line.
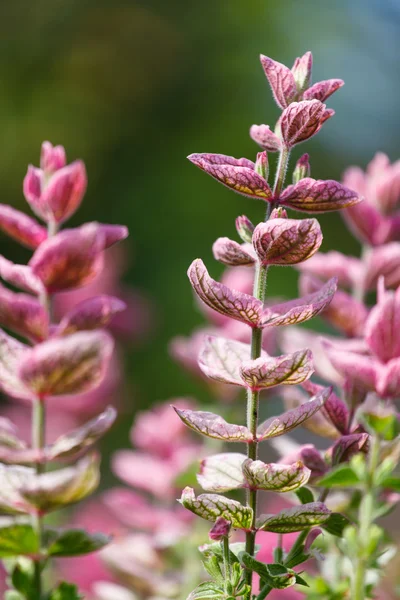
x=375, y=221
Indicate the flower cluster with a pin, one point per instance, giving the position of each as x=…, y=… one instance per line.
x=280, y=241
x=53, y=360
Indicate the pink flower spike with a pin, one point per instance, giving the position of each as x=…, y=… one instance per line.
x=23, y=314
x=219, y=530
x=302, y=120
x=52, y=158
x=220, y=298
x=233, y=254
x=286, y=241
x=276, y=426
x=237, y=174
x=70, y=365
x=323, y=89
x=63, y=194
x=20, y=276
x=317, y=196
x=334, y=264
x=302, y=71
x=264, y=137
x=289, y=369
x=91, y=313
x=70, y=259
x=22, y=228
x=220, y=359
x=301, y=309
x=281, y=80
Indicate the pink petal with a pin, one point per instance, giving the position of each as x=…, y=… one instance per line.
x=90, y=314
x=63, y=194
x=264, y=137
x=281, y=80
x=233, y=254
x=383, y=261
x=52, y=157
x=334, y=408
x=334, y=264
x=22, y=228
x=220, y=298
x=323, y=89
x=226, y=170
x=286, y=241
x=315, y=196
x=301, y=309
x=382, y=327
x=11, y=354
x=20, y=276
x=289, y=369
x=70, y=365
x=23, y=314
x=357, y=367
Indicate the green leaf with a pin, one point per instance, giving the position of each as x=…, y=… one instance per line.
x=13, y=595
x=294, y=519
x=392, y=483
x=305, y=495
x=18, y=539
x=336, y=524
x=22, y=577
x=212, y=506
x=387, y=427
x=213, y=568
x=301, y=581
x=276, y=575
x=65, y=591
x=342, y=476
x=75, y=542
x=207, y=591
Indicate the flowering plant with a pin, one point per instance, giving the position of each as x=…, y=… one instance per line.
x=356, y=410
x=54, y=360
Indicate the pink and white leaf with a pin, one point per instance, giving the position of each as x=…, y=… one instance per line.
x=293, y=519
x=22, y=228
x=23, y=314
x=318, y=196
x=383, y=261
x=346, y=269
x=349, y=445
x=20, y=276
x=70, y=365
x=91, y=313
x=12, y=353
x=335, y=409
x=318, y=423
x=302, y=309
x=323, y=89
x=219, y=297
x=288, y=369
x=213, y=426
x=281, y=80
x=286, y=241
x=274, y=477
x=237, y=174
x=382, y=326
x=356, y=367
x=212, y=506
x=302, y=71
x=220, y=359
x=233, y=254
x=222, y=472
x=276, y=426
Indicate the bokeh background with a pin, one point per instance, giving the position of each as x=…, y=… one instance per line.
x=133, y=87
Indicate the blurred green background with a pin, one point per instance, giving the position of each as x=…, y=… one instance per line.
x=133, y=87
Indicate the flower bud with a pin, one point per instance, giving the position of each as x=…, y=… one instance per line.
x=279, y=213
x=220, y=529
x=245, y=228
x=302, y=169
x=261, y=166
x=52, y=158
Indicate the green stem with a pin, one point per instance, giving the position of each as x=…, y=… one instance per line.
x=227, y=561
x=264, y=592
x=253, y=397
x=366, y=519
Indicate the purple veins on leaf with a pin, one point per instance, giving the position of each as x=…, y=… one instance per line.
x=91, y=313
x=212, y=506
x=301, y=120
x=289, y=369
x=236, y=173
x=318, y=196
x=276, y=426
x=219, y=297
x=264, y=137
x=70, y=365
x=286, y=241
x=213, y=426
x=301, y=309
x=22, y=228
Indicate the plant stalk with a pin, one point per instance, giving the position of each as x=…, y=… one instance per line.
x=253, y=397
x=366, y=511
